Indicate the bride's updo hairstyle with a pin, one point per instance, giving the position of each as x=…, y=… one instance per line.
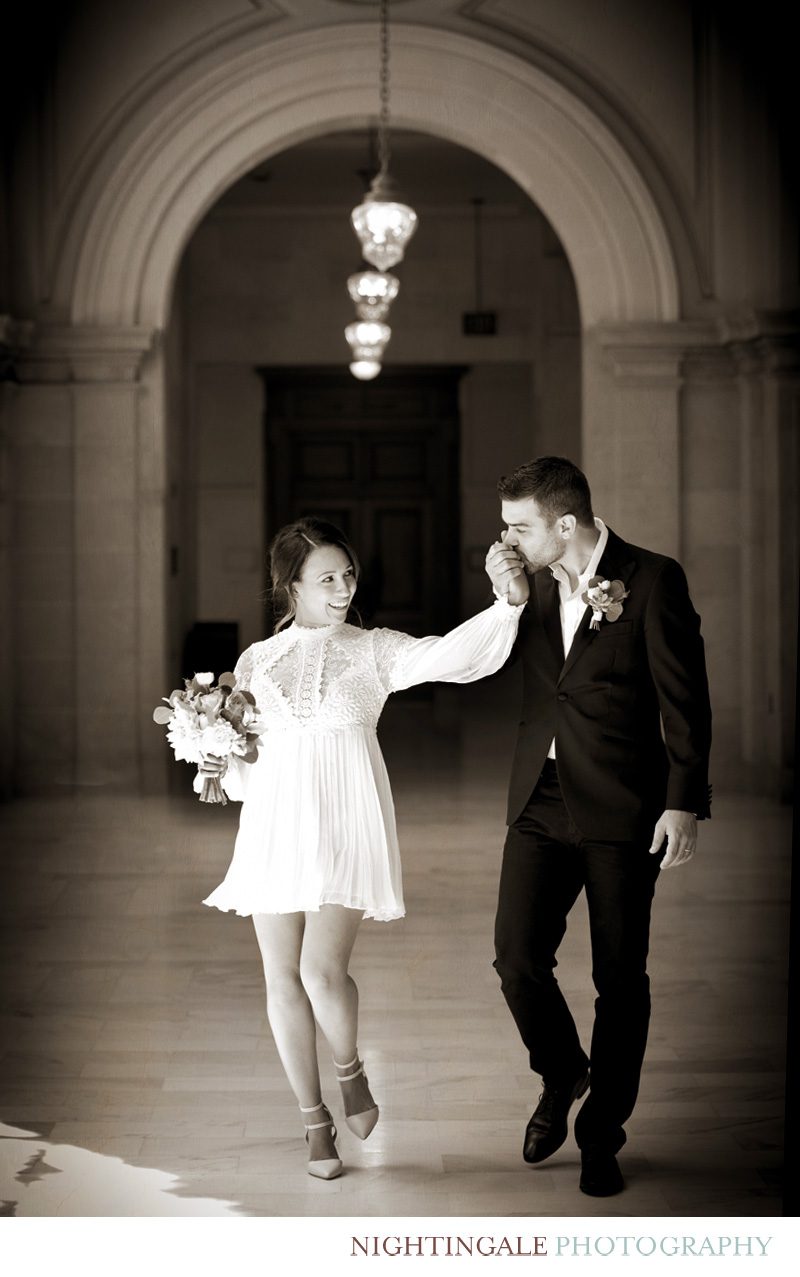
x=288, y=552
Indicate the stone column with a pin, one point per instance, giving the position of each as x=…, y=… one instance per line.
x=631, y=435
x=691, y=447
x=657, y=406
x=87, y=458
x=780, y=354
x=662, y=423
x=769, y=380
x=712, y=540
x=14, y=336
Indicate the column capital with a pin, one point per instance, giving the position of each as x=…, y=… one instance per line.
x=779, y=353
x=653, y=352
x=84, y=353
x=15, y=336
x=729, y=344
x=747, y=325
x=764, y=340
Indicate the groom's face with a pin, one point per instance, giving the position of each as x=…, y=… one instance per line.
x=536, y=540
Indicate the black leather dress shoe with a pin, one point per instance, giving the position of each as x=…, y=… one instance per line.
x=600, y=1173
x=547, y=1129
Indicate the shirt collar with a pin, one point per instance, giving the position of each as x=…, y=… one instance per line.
x=590, y=570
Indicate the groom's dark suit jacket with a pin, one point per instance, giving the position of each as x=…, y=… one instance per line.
x=607, y=703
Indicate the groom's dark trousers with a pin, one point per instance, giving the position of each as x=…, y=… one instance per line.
x=546, y=864
x=628, y=708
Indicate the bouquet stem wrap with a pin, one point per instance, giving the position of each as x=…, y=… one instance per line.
x=212, y=791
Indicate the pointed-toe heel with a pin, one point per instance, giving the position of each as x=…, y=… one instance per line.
x=363, y=1122
x=323, y=1167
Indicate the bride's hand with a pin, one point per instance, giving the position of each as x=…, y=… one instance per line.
x=213, y=766
x=506, y=572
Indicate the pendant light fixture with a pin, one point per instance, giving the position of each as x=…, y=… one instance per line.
x=478, y=322
x=367, y=338
x=365, y=369
x=383, y=222
x=373, y=292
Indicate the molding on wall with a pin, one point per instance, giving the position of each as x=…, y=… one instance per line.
x=119, y=257
x=101, y=354
x=769, y=333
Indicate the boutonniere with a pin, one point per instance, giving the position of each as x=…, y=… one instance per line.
x=605, y=600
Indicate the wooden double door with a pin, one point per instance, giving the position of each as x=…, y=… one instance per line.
x=381, y=460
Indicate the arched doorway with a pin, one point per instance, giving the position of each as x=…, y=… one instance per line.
x=124, y=240
x=274, y=424
x=154, y=174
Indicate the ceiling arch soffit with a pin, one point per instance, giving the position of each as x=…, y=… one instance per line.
x=184, y=145
x=621, y=115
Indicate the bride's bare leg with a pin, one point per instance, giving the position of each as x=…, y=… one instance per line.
x=327, y=945
x=291, y=1018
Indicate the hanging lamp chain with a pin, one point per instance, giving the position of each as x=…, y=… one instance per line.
x=477, y=205
x=383, y=120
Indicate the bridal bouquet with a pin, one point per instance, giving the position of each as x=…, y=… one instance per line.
x=206, y=721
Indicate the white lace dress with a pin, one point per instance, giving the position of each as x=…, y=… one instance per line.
x=317, y=823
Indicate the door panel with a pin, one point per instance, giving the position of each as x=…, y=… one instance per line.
x=320, y=460
x=400, y=565
x=397, y=460
x=381, y=462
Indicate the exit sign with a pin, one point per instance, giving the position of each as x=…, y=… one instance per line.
x=479, y=323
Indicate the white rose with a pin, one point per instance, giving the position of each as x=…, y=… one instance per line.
x=219, y=739
x=205, y=680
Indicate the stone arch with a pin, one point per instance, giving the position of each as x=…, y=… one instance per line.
x=126, y=236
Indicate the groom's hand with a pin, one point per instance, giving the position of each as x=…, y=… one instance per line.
x=506, y=572
x=680, y=830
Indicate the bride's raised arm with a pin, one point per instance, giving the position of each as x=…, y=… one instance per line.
x=473, y=650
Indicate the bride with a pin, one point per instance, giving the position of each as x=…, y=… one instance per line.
x=317, y=847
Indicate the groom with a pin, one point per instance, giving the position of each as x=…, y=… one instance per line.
x=609, y=778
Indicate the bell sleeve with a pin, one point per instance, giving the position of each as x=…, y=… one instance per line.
x=475, y=649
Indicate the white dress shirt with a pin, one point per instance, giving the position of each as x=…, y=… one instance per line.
x=570, y=604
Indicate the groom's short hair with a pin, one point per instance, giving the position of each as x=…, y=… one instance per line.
x=555, y=483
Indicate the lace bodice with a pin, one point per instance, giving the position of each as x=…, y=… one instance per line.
x=314, y=678
x=338, y=676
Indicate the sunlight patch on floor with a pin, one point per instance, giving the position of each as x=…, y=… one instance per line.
x=38, y=1178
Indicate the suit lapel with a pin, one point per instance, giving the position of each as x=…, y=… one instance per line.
x=582, y=639
x=615, y=563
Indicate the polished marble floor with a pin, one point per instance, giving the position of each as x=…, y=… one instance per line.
x=138, y=1076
